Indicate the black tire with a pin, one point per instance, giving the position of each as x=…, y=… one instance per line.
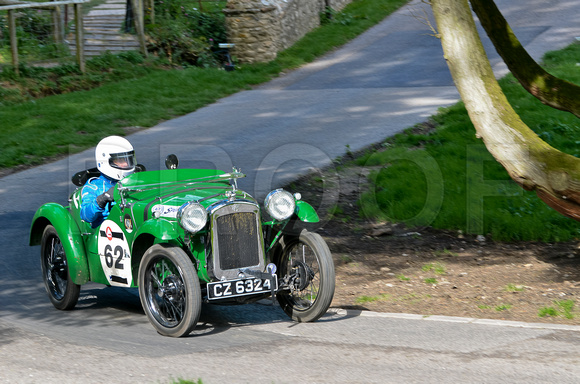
x=169, y=290
x=62, y=291
x=305, y=254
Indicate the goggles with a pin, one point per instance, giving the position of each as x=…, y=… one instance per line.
x=123, y=160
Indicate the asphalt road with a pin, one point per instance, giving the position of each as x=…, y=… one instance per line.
x=392, y=77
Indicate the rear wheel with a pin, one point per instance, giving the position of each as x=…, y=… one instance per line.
x=305, y=266
x=169, y=290
x=62, y=291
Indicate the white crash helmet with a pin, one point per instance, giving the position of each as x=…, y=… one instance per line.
x=115, y=157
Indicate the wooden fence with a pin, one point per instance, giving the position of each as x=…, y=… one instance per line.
x=11, y=6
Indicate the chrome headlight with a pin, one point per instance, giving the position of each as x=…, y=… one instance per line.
x=192, y=216
x=280, y=204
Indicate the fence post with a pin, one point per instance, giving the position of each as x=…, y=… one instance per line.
x=58, y=28
x=13, y=40
x=79, y=36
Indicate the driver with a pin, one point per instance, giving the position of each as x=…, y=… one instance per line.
x=115, y=159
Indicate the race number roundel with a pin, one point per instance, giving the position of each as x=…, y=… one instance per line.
x=114, y=254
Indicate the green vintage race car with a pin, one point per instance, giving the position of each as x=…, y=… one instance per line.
x=187, y=236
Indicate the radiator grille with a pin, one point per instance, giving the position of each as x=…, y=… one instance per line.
x=238, y=240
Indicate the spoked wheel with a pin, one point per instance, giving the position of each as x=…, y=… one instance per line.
x=169, y=290
x=305, y=266
x=62, y=291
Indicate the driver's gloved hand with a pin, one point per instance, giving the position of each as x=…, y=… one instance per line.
x=106, y=197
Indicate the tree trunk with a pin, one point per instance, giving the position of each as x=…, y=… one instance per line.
x=550, y=90
x=531, y=162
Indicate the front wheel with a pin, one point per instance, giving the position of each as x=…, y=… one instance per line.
x=62, y=291
x=169, y=290
x=306, y=270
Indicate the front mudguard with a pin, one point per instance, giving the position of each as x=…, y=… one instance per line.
x=161, y=229
x=306, y=212
x=303, y=213
x=70, y=235
x=155, y=231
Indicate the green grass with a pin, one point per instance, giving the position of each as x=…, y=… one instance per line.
x=548, y=311
x=498, y=308
x=37, y=131
x=514, y=288
x=372, y=299
x=430, y=280
x=436, y=268
x=337, y=213
x=503, y=307
x=563, y=308
x=69, y=123
x=402, y=277
x=444, y=176
x=411, y=298
x=445, y=252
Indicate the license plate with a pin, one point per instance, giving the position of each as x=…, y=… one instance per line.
x=241, y=287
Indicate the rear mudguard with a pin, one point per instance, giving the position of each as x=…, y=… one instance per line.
x=68, y=231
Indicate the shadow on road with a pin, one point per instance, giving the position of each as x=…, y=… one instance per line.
x=112, y=307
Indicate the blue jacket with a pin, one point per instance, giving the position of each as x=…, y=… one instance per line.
x=90, y=211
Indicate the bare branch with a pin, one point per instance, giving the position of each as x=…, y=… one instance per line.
x=423, y=17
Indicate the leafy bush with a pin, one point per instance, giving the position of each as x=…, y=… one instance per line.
x=34, y=24
x=185, y=35
x=176, y=43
